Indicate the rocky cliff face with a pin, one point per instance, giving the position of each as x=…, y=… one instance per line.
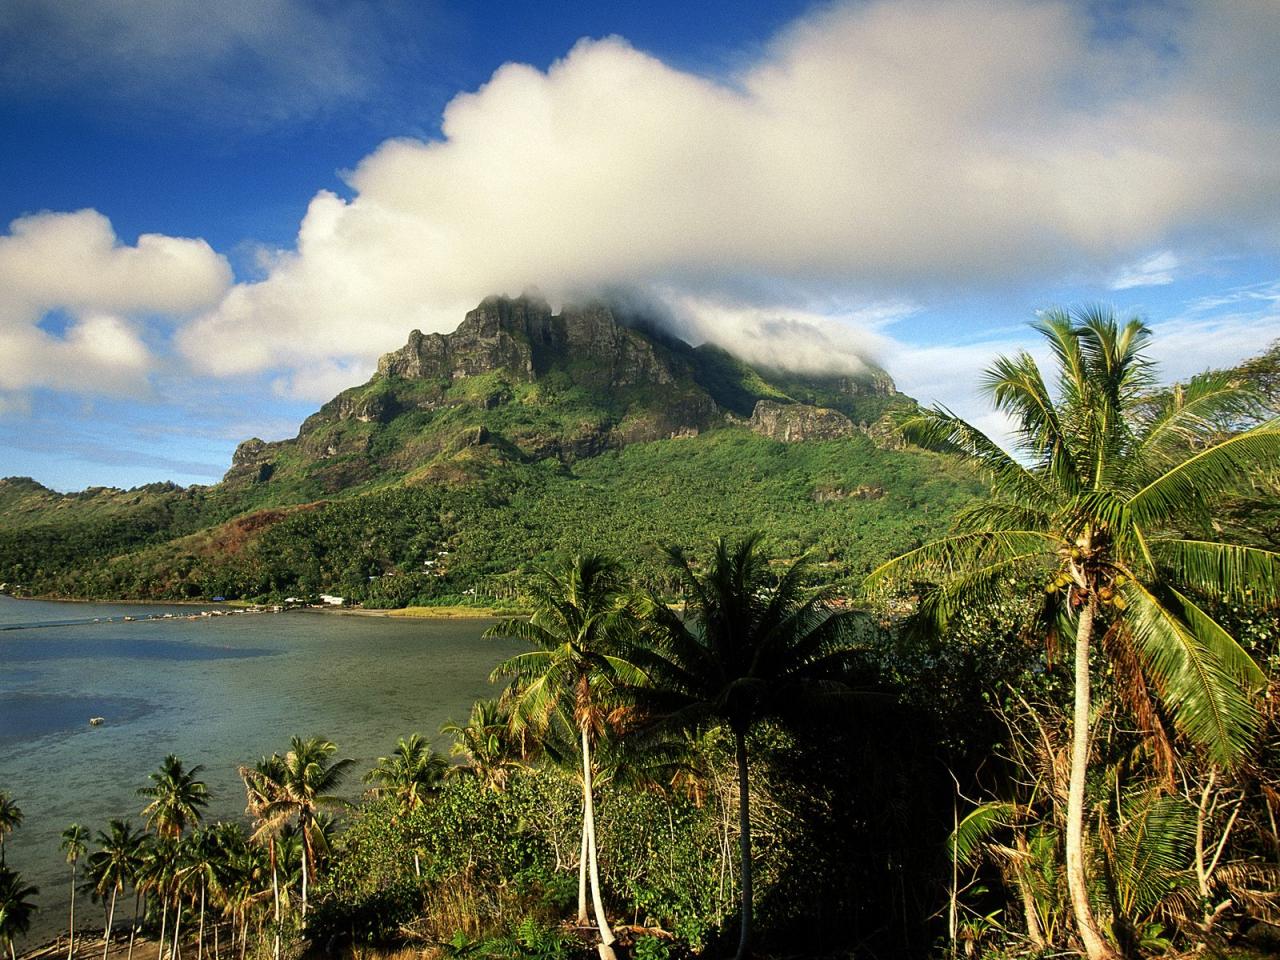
x=524, y=338
x=251, y=463
x=796, y=422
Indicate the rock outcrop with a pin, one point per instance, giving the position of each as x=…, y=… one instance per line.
x=523, y=337
x=251, y=463
x=796, y=422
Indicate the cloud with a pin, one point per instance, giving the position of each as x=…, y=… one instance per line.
x=874, y=152
x=779, y=336
x=233, y=60
x=1155, y=271
x=74, y=264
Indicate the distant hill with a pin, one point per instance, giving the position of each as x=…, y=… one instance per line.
x=470, y=457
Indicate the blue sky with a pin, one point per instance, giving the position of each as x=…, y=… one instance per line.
x=214, y=216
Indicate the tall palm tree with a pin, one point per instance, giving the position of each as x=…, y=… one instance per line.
x=10, y=819
x=264, y=782
x=16, y=908
x=485, y=743
x=114, y=864
x=411, y=773
x=749, y=646
x=296, y=787
x=157, y=875
x=1108, y=499
x=75, y=844
x=177, y=798
x=580, y=620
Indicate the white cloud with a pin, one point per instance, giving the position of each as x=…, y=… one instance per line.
x=778, y=336
x=322, y=381
x=1154, y=271
x=875, y=152
x=73, y=263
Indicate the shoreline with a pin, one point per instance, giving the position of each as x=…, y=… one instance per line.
x=446, y=612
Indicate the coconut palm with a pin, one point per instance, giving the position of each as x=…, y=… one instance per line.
x=489, y=751
x=580, y=620
x=10, y=820
x=748, y=647
x=75, y=844
x=411, y=773
x=157, y=871
x=16, y=908
x=295, y=788
x=115, y=863
x=176, y=798
x=1108, y=500
x=262, y=783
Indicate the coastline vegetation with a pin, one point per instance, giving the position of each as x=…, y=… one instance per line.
x=1052, y=729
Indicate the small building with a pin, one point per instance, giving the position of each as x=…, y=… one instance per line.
x=331, y=600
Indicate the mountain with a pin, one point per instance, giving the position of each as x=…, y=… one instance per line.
x=526, y=385
x=470, y=456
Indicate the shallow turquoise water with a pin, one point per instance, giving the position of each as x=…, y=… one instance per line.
x=220, y=691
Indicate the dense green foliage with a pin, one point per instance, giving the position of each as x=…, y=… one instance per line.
x=937, y=822
x=847, y=500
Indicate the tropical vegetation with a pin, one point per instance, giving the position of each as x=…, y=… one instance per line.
x=1107, y=505
x=1052, y=730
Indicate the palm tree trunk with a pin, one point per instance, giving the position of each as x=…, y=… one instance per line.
x=1023, y=880
x=164, y=919
x=177, y=929
x=744, y=839
x=305, y=857
x=583, y=919
x=71, y=924
x=200, y=935
x=275, y=893
x=133, y=926
x=593, y=868
x=1077, y=885
x=111, y=918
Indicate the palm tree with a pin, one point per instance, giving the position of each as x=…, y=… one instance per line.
x=156, y=875
x=75, y=843
x=176, y=798
x=15, y=908
x=296, y=787
x=412, y=772
x=10, y=820
x=748, y=647
x=115, y=863
x=485, y=742
x=580, y=619
x=1108, y=498
x=264, y=782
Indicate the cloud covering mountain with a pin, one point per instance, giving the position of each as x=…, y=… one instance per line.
x=870, y=160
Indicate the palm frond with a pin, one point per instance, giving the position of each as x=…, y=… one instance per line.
x=1152, y=850
x=1223, y=571
x=1207, y=474
x=957, y=555
x=977, y=828
x=1205, y=699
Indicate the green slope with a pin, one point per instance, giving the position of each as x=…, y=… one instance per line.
x=851, y=503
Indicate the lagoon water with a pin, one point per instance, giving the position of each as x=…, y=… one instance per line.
x=219, y=691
